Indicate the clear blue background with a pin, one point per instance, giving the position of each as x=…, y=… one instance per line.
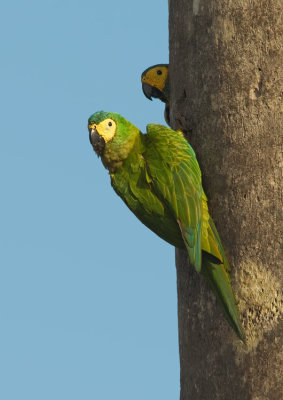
x=88, y=302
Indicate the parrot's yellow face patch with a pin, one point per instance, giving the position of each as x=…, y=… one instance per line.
x=106, y=129
x=156, y=77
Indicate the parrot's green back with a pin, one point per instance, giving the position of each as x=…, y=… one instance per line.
x=160, y=181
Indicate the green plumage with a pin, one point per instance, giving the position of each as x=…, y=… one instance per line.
x=158, y=177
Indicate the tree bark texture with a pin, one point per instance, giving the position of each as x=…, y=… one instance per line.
x=226, y=95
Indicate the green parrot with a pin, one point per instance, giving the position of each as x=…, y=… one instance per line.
x=158, y=177
x=155, y=83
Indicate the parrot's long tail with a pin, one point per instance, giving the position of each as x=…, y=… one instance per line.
x=219, y=280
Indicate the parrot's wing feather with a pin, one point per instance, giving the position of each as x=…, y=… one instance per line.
x=132, y=184
x=176, y=179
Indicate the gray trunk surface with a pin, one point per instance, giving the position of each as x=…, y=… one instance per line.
x=226, y=95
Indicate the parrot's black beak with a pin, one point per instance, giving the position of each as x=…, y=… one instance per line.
x=151, y=91
x=147, y=90
x=97, y=141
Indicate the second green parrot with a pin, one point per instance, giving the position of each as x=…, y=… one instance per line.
x=155, y=83
x=158, y=177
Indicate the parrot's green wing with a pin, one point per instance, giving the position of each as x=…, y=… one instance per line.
x=133, y=184
x=176, y=180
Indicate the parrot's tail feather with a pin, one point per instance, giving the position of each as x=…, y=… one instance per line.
x=219, y=282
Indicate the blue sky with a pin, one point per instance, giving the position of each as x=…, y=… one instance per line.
x=88, y=306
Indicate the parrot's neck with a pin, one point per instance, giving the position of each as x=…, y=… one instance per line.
x=114, y=158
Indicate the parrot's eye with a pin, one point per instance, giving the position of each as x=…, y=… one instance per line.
x=107, y=129
x=159, y=72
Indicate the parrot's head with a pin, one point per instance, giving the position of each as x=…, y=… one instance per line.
x=155, y=82
x=112, y=137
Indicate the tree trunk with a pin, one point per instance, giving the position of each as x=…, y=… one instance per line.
x=225, y=95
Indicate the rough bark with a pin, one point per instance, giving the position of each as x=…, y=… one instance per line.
x=226, y=95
